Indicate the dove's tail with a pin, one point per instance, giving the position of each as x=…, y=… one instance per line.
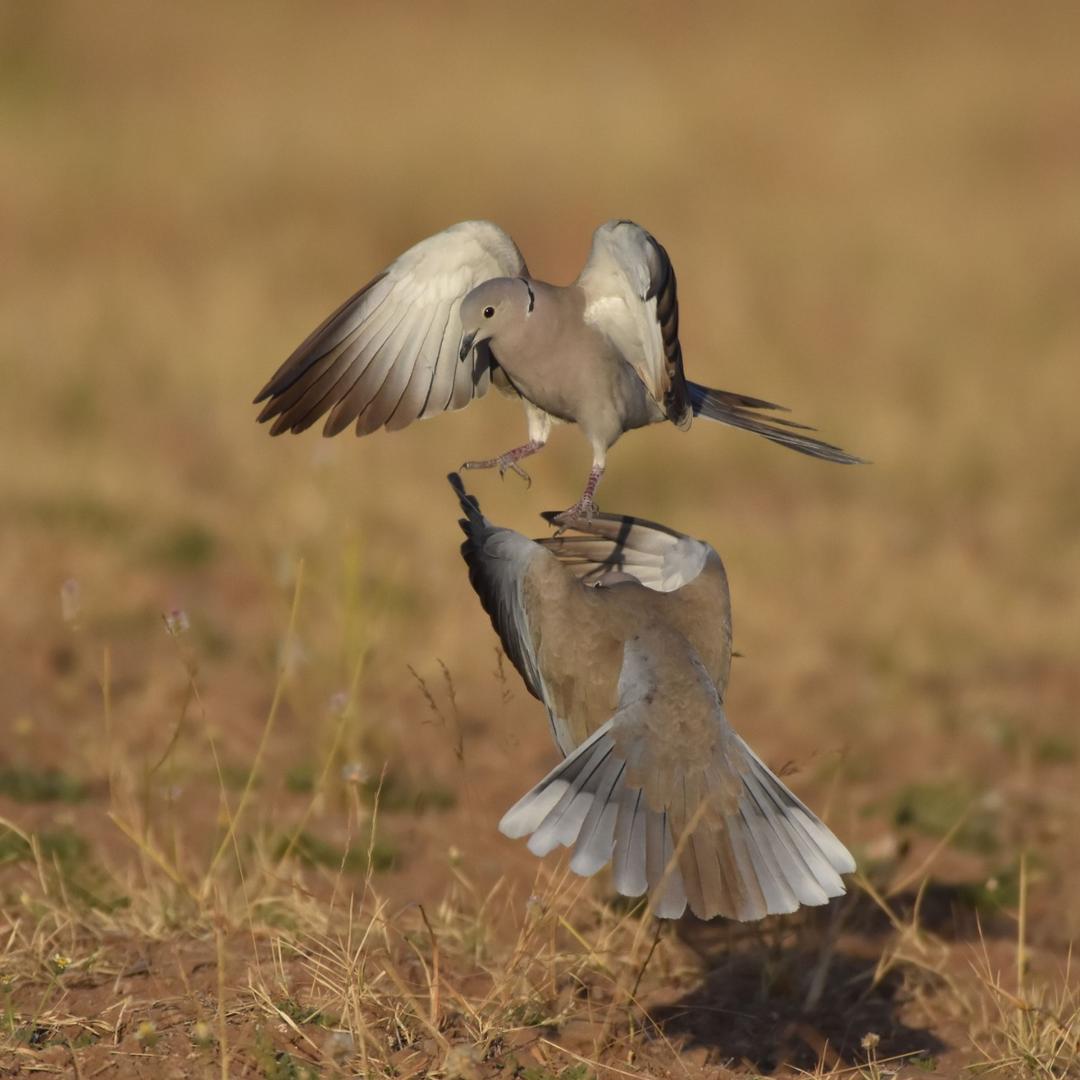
x=741, y=411
x=767, y=857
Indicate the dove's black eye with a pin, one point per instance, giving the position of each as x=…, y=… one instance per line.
x=488, y=312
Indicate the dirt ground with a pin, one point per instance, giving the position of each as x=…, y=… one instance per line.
x=257, y=733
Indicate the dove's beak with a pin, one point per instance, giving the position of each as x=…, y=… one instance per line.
x=467, y=340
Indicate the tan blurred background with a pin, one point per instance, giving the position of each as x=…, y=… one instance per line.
x=874, y=212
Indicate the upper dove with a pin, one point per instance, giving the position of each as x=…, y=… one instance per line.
x=459, y=312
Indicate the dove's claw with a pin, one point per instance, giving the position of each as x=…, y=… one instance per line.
x=585, y=508
x=514, y=467
x=509, y=460
x=581, y=511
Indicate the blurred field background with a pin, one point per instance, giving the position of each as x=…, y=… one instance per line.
x=874, y=213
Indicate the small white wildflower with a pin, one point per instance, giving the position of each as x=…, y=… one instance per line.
x=177, y=622
x=870, y=1041
x=354, y=772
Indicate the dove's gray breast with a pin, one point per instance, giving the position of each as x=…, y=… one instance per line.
x=570, y=369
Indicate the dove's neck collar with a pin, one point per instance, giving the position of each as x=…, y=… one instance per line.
x=532, y=296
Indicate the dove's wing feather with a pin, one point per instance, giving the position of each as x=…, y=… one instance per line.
x=631, y=297
x=389, y=354
x=504, y=567
x=660, y=558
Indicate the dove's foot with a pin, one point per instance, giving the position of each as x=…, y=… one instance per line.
x=581, y=513
x=502, y=464
x=509, y=460
x=585, y=509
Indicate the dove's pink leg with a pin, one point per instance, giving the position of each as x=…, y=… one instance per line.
x=584, y=507
x=509, y=460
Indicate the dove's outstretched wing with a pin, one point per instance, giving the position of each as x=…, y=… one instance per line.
x=389, y=354
x=631, y=297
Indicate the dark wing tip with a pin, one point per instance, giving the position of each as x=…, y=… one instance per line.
x=271, y=390
x=470, y=505
x=455, y=481
x=279, y=381
x=294, y=367
x=321, y=341
x=336, y=423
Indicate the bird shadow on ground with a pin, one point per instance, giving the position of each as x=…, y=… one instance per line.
x=750, y=1011
x=783, y=995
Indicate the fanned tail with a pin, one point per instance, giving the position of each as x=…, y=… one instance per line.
x=741, y=411
x=768, y=857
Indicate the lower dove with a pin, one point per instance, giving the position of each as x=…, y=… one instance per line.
x=622, y=628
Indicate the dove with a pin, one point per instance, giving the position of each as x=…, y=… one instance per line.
x=459, y=313
x=622, y=629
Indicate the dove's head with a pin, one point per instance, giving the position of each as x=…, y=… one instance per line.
x=499, y=306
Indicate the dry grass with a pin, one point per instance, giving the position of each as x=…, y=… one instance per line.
x=260, y=839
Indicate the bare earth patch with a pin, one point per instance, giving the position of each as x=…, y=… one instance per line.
x=256, y=734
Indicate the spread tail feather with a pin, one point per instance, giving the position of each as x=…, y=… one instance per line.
x=767, y=857
x=738, y=410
